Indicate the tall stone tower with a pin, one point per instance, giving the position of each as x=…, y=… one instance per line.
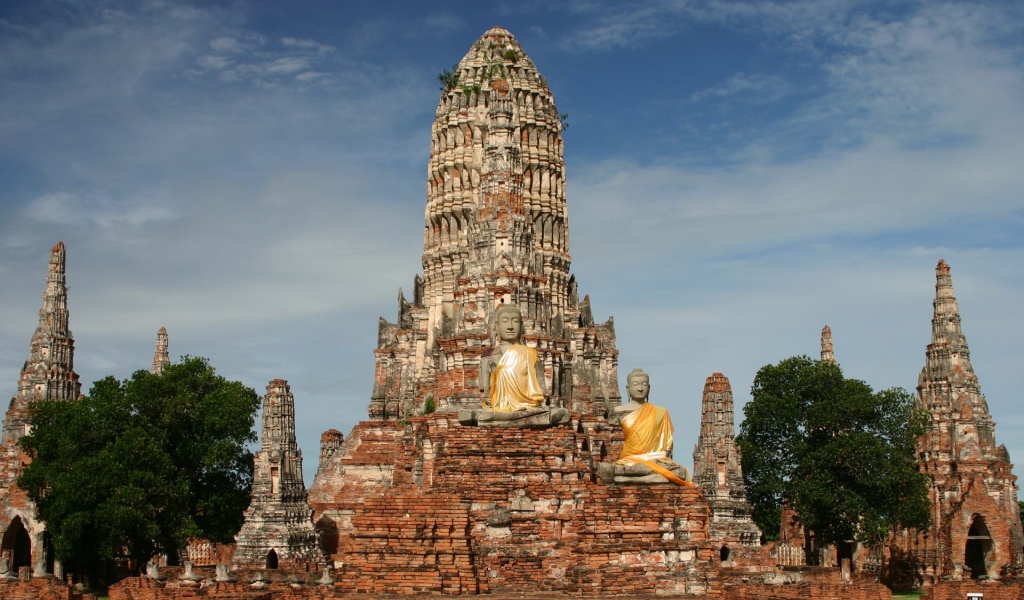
x=976, y=529
x=496, y=233
x=419, y=501
x=49, y=372
x=718, y=470
x=278, y=529
x=161, y=358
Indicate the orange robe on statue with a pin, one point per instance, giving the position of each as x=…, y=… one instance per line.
x=514, y=383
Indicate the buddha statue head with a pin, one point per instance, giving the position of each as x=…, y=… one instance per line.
x=508, y=324
x=638, y=385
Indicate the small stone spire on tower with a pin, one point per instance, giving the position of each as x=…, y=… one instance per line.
x=278, y=528
x=49, y=372
x=827, y=355
x=161, y=358
x=718, y=470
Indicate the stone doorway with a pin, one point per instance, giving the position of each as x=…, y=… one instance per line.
x=17, y=542
x=978, y=547
x=272, y=560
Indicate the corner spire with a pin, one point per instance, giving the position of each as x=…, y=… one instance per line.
x=278, y=519
x=49, y=372
x=718, y=470
x=827, y=355
x=161, y=358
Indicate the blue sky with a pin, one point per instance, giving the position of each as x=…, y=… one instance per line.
x=251, y=175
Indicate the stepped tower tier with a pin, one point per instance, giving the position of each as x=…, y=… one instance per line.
x=278, y=529
x=976, y=529
x=496, y=232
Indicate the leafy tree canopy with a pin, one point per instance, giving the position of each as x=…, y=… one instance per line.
x=842, y=455
x=141, y=465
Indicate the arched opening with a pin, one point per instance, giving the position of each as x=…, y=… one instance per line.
x=723, y=554
x=17, y=542
x=327, y=531
x=272, y=560
x=979, y=544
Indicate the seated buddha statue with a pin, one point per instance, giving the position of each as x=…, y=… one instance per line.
x=647, y=448
x=512, y=392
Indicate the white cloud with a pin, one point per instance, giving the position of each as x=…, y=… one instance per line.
x=218, y=63
x=754, y=86
x=287, y=66
x=307, y=44
x=444, y=22
x=235, y=45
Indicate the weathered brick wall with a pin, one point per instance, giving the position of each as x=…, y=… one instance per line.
x=958, y=590
x=806, y=590
x=39, y=588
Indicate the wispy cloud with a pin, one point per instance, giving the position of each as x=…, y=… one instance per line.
x=755, y=87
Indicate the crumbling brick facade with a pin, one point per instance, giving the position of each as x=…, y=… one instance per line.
x=976, y=529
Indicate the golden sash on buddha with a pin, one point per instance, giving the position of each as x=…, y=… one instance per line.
x=648, y=440
x=514, y=383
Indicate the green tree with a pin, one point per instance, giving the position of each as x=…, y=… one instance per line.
x=141, y=465
x=842, y=455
